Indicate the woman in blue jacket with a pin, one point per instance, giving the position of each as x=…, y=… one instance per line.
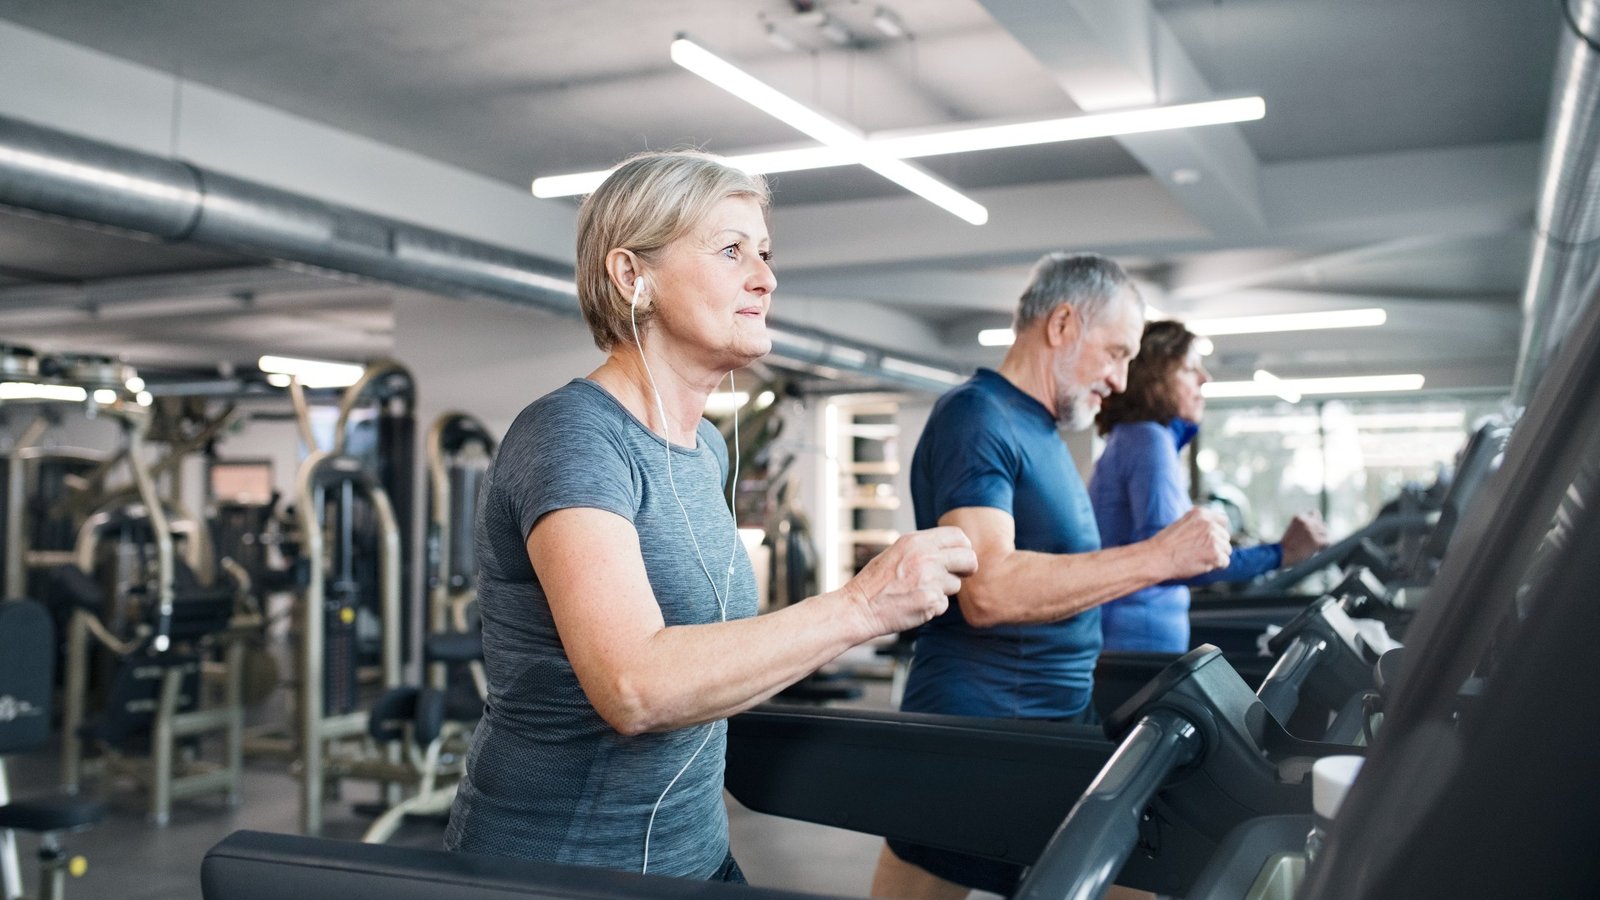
x=1138, y=489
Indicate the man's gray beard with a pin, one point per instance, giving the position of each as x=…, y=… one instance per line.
x=1072, y=409
x=1078, y=416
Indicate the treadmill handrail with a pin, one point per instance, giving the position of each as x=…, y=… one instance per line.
x=1280, y=690
x=1378, y=529
x=1090, y=847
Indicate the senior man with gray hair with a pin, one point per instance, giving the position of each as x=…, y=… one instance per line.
x=1022, y=637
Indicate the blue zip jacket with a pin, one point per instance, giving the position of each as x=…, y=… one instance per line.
x=1137, y=489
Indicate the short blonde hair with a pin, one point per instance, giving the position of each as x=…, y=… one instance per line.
x=647, y=203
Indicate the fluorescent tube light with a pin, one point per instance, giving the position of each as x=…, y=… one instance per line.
x=726, y=401
x=1072, y=128
x=105, y=395
x=28, y=390
x=1306, y=423
x=1275, y=385
x=817, y=126
x=1313, y=321
x=997, y=337
x=777, y=38
x=1356, y=384
x=885, y=20
x=570, y=185
x=313, y=373
x=835, y=31
x=959, y=140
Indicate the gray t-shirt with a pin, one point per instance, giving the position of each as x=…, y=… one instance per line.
x=547, y=778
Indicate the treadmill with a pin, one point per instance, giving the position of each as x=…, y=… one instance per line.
x=1480, y=781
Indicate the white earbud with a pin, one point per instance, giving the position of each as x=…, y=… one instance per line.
x=638, y=288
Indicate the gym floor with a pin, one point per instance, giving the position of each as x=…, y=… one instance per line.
x=130, y=859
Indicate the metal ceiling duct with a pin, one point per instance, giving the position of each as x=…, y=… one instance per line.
x=1564, y=269
x=65, y=175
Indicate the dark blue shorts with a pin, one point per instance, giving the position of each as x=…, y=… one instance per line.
x=729, y=871
x=979, y=872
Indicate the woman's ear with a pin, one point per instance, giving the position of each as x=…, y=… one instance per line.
x=625, y=272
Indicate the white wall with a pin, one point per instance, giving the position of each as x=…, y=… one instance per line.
x=486, y=358
x=866, y=322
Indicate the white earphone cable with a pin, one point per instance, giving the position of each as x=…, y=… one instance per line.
x=722, y=595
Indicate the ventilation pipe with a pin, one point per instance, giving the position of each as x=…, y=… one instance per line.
x=1564, y=269
x=77, y=178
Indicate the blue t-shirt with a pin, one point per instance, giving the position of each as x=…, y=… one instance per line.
x=987, y=443
x=547, y=777
x=1137, y=490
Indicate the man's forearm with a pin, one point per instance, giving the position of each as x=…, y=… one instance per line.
x=1025, y=587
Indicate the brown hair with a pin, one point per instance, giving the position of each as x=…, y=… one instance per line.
x=1148, y=397
x=646, y=203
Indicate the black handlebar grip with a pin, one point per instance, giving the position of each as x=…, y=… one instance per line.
x=1092, y=843
x=1280, y=690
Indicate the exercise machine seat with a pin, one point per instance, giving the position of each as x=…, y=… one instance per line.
x=27, y=663
x=60, y=813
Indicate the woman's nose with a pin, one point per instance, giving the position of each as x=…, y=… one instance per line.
x=764, y=281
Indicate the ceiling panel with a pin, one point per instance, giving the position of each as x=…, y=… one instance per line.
x=1368, y=76
x=512, y=89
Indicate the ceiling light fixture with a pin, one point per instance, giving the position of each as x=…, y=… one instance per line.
x=965, y=140
x=997, y=337
x=313, y=373
x=1276, y=385
x=835, y=31
x=28, y=390
x=786, y=109
x=726, y=401
x=778, y=38
x=886, y=21
x=939, y=142
x=1313, y=321
x=1355, y=384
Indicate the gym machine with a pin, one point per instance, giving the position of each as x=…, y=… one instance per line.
x=353, y=512
x=328, y=715
x=27, y=663
x=158, y=620
x=460, y=449
x=158, y=628
x=431, y=724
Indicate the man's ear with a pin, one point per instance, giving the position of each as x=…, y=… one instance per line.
x=1062, y=326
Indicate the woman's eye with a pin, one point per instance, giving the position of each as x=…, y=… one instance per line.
x=731, y=251
x=766, y=256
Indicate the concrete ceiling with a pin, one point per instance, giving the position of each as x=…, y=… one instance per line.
x=1396, y=166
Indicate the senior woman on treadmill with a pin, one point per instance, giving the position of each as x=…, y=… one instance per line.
x=618, y=605
x=1138, y=489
